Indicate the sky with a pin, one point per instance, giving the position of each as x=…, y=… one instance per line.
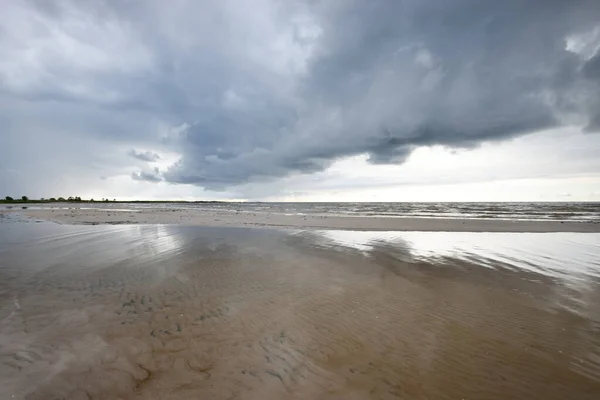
x=301, y=100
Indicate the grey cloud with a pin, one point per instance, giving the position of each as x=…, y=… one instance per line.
x=144, y=155
x=390, y=76
x=148, y=176
x=272, y=89
x=591, y=69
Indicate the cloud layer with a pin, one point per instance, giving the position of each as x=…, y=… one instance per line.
x=147, y=156
x=255, y=91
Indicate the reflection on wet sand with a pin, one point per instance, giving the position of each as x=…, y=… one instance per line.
x=160, y=312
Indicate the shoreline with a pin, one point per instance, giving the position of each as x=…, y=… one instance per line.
x=77, y=216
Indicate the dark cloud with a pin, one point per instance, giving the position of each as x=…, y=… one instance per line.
x=248, y=93
x=144, y=155
x=386, y=77
x=148, y=176
x=594, y=125
x=591, y=69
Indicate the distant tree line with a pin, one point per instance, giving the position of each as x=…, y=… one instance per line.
x=77, y=199
x=70, y=199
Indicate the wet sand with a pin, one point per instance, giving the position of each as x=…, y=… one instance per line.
x=199, y=217
x=180, y=312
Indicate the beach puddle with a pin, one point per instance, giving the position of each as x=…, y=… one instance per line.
x=157, y=312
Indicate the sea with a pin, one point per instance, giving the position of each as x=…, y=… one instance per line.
x=518, y=211
x=561, y=211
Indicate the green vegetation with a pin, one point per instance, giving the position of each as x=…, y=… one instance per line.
x=77, y=199
x=25, y=199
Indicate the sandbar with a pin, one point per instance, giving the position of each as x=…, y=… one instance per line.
x=201, y=217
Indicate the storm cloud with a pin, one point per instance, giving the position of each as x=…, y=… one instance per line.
x=147, y=156
x=150, y=176
x=253, y=91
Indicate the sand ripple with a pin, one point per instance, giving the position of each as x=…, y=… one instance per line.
x=171, y=312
